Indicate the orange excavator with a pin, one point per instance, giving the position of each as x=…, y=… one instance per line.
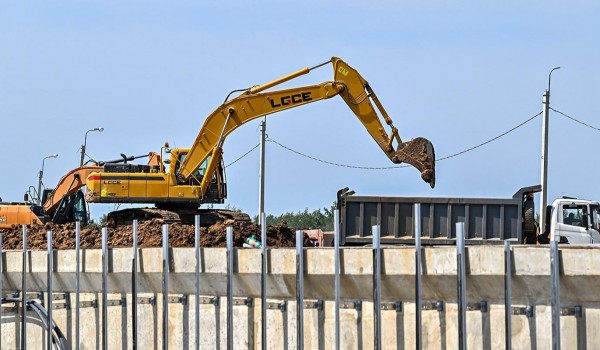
x=64, y=203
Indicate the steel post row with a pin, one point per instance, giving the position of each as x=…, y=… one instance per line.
x=52, y=339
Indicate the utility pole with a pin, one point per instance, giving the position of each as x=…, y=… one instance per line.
x=41, y=176
x=545, y=121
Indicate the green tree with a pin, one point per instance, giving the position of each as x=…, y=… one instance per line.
x=316, y=219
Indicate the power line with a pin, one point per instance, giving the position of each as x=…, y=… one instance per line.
x=490, y=140
x=245, y=154
x=405, y=166
x=333, y=163
x=401, y=166
x=575, y=120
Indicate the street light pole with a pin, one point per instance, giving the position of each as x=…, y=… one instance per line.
x=85, y=142
x=41, y=175
x=545, y=121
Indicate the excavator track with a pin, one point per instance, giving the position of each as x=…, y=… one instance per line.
x=208, y=217
x=126, y=216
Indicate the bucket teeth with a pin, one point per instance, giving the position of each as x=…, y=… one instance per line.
x=419, y=153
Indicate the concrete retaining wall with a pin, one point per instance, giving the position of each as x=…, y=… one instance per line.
x=579, y=286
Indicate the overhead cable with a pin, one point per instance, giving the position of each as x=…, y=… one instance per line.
x=490, y=140
x=575, y=120
x=405, y=166
x=245, y=154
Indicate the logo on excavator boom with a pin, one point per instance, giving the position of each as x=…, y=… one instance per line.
x=292, y=99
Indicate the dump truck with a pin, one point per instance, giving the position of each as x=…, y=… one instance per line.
x=486, y=220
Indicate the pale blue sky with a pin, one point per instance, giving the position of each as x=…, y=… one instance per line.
x=456, y=73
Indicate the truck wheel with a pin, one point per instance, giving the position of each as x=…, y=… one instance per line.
x=529, y=216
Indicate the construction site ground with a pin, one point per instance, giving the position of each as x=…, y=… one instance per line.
x=149, y=235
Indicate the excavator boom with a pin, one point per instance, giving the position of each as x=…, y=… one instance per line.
x=255, y=103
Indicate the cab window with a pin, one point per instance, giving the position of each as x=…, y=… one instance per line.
x=595, y=217
x=198, y=173
x=573, y=215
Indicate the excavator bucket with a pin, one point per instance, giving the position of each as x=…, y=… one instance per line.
x=419, y=153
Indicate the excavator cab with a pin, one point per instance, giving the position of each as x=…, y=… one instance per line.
x=72, y=208
x=216, y=191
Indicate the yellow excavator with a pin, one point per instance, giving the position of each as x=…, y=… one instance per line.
x=196, y=175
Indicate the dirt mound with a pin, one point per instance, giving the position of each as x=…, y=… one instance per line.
x=149, y=235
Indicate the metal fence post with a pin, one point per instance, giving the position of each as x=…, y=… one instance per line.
x=50, y=268
x=336, y=240
x=77, y=279
x=134, y=285
x=263, y=281
x=24, y=293
x=461, y=284
x=104, y=288
x=197, y=295
x=418, y=271
x=300, y=288
x=507, y=296
x=1, y=286
x=165, y=286
x=229, y=231
x=377, y=286
x=555, y=289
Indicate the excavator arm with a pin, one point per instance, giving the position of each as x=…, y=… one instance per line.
x=254, y=103
x=70, y=183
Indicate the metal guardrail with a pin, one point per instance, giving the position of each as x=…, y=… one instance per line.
x=25, y=301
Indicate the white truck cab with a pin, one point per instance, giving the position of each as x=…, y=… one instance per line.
x=575, y=221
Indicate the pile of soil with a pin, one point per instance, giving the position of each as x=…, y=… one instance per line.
x=149, y=235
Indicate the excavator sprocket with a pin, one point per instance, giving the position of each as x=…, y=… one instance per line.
x=419, y=153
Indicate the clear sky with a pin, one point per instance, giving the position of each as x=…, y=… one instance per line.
x=456, y=73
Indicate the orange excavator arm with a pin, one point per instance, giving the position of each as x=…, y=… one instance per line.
x=68, y=185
